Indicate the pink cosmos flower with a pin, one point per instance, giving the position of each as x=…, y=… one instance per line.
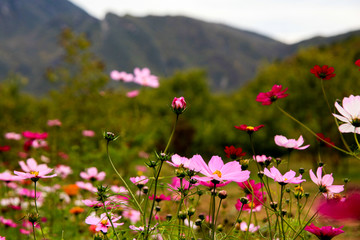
x=35, y=135
x=54, y=123
x=160, y=198
x=124, y=76
x=178, y=161
x=86, y=186
x=271, y=96
x=132, y=94
x=144, y=78
x=175, y=184
x=92, y=174
x=8, y=177
x=63, y=171
x=88, y=133
x=39, y=143
x=290, y=143
x=8, y=222
x=12, y=136
x=325, y=182
x=139, y=181
x=254, y=204
x=218, y=171
x=2, y=238
x=244, y=227
x=324, y=233
x=350, y=112
x=102, y=223
x=133, y=215
x=288, y=177
x=261, y=158
x=34, y=171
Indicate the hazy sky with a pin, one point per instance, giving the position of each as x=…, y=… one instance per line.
x=285, y=20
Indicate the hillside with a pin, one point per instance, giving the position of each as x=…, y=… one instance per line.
x=29, y=35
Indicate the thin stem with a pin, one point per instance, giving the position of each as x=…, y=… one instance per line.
x=108, y=216
x=313, y=133
x=232, y=229
x=356, y=140
x=172, y=134
x=213, y=195
x=36, y=208
x=33, y=228
x=124, y=182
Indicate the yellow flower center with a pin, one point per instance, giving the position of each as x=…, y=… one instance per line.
x=249, y=128
x=285, y=179
x=104, y=221
x=36, y=173
x=217, y=172
x=251, y=204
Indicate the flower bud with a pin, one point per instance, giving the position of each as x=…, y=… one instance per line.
x=301, y=170
x=222, y=194
x=168, y=217
x=307, y=194
x=191, y=212
x=244, y=200
x=220, y=227
x=198, y=222
x=260, y=174
x=182, y=215
x=202, y=216
x=157, y=208
x=193, y=181
x=109, y=136
x=145, y=190
x=346, y=180
x=321, y=164
x=162, y=156
x=178, y=105
x=273, y=205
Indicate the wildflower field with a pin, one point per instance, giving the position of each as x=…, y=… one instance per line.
x=171, y=160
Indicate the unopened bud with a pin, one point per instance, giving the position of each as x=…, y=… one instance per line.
x=222, y=194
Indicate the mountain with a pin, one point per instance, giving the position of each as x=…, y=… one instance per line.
x=29, y=31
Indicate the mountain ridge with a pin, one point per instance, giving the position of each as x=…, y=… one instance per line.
x=29, y=33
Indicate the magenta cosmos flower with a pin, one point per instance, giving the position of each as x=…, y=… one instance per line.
x=92, y=174
x=143, y=77
x=218, y=171
x=350, y=112
x=324, y=233
x=274, y=94
x=325, y=183
x=34, y=171
x=288, y=177
x=290, y=143
x=102, y=223
x=249, y=129
x=132, y=94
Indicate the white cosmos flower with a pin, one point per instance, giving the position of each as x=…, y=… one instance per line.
x=350, y=112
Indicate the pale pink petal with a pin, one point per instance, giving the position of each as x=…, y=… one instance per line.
x=342, y=111
x=327, y=180
x=341, y=118
x=289, y=175
x=83, y=175
x=313, y=178
x=24, y=167
x=215, y=163
x=280, y=140
x=92, y=171
x=101, y=176
x=31, y=163
x=336, y=188
x=346, y=128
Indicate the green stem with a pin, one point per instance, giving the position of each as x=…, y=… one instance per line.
x=108, y=216
x=232, y=228
x=124, y=182
x=36, y=208
x=356, y=140
x=280, y=211
x=313, y=133
x=213, y=195
x=172, y=134
x=33, y=228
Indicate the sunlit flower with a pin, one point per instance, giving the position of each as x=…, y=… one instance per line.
x=178, y=161
x=34, y=171
x=102, y=223
x=262, y=159
x=160, y=198
x=274, y=94
x=288, y=177
x=324, y=72
x=290, y=143
x=244, y=227
x=121, y=76
x=250, y=186
x=86, y=186
x=92, y=174
x=133, y=215
x=8, y=177
x=144, y=78
x=139, y=181
x=218, y=171
x=249, y=129
x=325, y=182
x=324, y=233
x=350, y=112
x=234, y=153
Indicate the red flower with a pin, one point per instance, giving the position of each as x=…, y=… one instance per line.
x=249, y=129
x=234, y=153
x=324, y=72
x=4, y=148
x=271, y=96
x=357, y=62
x=324, y=233
x=328, y=141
